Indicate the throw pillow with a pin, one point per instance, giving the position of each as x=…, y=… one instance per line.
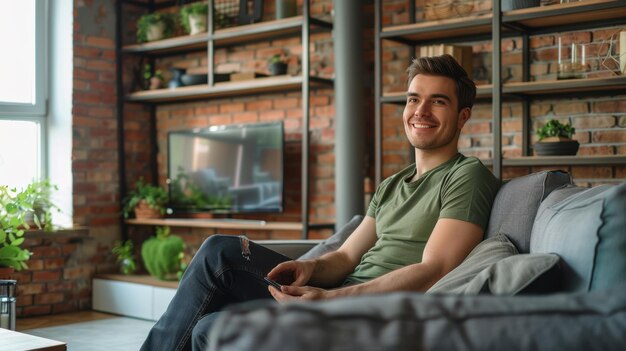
x=588, y=230
x=485, y=254
x=515, y=207
x=335, y=241
x=519, y=274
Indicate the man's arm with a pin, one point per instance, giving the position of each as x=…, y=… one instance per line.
x=450, y=242
x=331, y=269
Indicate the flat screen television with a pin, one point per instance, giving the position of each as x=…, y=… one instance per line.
x=226, y=169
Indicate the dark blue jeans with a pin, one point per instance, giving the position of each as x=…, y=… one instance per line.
x=226, y=270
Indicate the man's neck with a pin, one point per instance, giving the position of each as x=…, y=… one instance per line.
x=425, y=160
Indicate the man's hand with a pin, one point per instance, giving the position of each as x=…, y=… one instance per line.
x=295, y=273
x=295, y=293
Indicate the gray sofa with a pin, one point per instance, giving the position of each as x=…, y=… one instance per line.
x=550, y=275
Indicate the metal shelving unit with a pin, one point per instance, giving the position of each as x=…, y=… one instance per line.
x=497, y=25
x=302, y=26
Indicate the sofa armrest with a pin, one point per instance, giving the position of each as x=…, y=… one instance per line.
x=290, y=248
x=412, y=321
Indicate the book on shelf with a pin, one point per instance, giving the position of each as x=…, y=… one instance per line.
x=462, y=54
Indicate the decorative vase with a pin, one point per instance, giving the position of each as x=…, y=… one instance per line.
x=278, y=68
x=144, y=211
x=155, y=31
x=197, y=24
x=155, y=83
x=286, y=8
x=176, y=81
x=556, y=148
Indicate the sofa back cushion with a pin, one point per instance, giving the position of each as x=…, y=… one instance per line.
x=334, y=241
x=516, y=205
x=588, y=230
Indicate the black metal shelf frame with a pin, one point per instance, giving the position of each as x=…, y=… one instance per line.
x=213, y=41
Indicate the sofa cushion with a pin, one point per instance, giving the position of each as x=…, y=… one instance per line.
x=411, y=321
x=334, y=241
x=516, y=205
x=495, y=267
x=588, y=230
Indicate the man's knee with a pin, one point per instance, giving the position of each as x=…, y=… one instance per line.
x=219, y=246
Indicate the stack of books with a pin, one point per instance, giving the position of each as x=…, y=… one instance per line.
x=462, y=54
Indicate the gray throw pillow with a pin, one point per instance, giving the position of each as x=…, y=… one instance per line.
x=495, y=267
x=335, y=241
x=485, y=254
x=519, y=274
x=515, y=206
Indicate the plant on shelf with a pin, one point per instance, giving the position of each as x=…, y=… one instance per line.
x=162, y=254
x=146, y=201
x=155, y=26
x=555, y=138
x=152, y=80
x=124, y=256
x=193, y=17
x=277, y=64
x=20, y=211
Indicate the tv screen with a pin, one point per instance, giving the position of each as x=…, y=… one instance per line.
x=227, y=169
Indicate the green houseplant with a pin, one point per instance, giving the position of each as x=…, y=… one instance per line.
x=277, y=64
x=21, y=210
x=193, y=17
x=152, y=80
x=155, y=26
x=162, y=254
x=123, y=252
x=555, y=138
x=146, y=201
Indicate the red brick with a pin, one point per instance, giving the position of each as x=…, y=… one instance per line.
x=591, y=172
x=617, y=136
x=593, y=122
x=46, y=276
x=49, y=298
x=30, y=289
x=64, y=307
x=46, y=251
x=23, y=300
x=35, y=310
x=52, y=263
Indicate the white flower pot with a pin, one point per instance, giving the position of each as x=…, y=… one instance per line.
x=197, y=24
x=155, y=31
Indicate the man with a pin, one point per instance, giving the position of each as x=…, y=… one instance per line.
x=422, y=222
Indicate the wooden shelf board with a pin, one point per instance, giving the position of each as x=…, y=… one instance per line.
x=226, y=89
x=139, y=279
x=218, y=224
x=608, y=160
x=223, y=37
x=562, y=14
x=448, y=28
x=261, y=31
x=565, y=86
x=182, y=43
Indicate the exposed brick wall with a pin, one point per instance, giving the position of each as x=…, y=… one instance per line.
x=600, y=122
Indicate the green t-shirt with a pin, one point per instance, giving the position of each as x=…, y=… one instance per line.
x=406, y=212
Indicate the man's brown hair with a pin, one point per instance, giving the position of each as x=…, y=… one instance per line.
x=446, y=66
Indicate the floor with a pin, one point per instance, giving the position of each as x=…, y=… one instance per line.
x=89, y=331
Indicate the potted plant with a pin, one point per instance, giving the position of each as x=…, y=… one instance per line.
x=194, y=17
x=155, y=26
x=277, y=64
x=153, y=80
x=19, y=211
x=555, y=138
x=123, y=252
x=162, y=254
x=146, y=201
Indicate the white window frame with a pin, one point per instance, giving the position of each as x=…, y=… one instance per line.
x=35, y=112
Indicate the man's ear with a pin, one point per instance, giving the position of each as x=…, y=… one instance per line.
x=464, y=116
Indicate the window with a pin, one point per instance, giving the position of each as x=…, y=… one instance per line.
x=22, y=91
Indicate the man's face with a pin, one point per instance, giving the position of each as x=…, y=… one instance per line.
x=431, y=117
